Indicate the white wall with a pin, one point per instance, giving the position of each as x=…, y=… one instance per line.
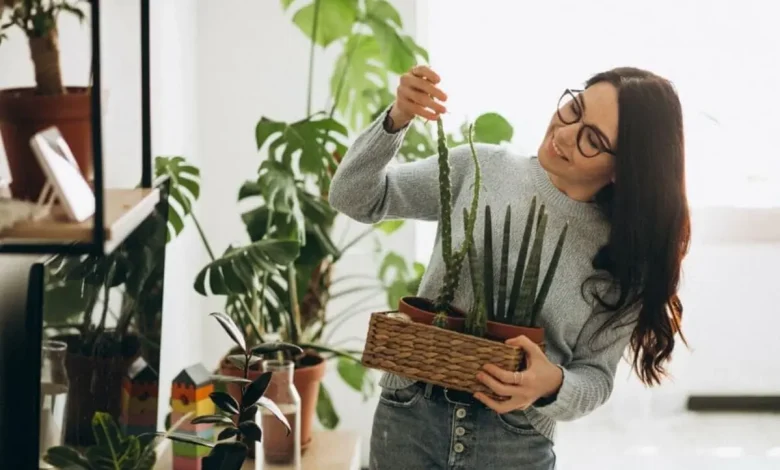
x=173, y=129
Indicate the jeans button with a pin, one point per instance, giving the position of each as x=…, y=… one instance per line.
x=459, y=431
x=459, y=447
x=460, y=413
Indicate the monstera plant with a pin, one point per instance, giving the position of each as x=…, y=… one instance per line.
x=281, y=282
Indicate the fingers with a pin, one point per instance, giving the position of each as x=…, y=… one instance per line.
x=500, y=387
x=417, y=94
x=501, y=407
x=524, y=343
x=506, y=376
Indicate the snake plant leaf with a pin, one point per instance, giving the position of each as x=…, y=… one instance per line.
x=501, y=311
x=514, y=293
x=488, y=271
x=528, y=288
x=335, y=19
x=308, y=144
x=235, y=272
x=184, y=190
x=357, y=80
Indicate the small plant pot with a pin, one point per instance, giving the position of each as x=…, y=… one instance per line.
x=307, y=378
x=422, y=310
x=24, y=113
x=440, y=356
x=502, y=332
x=95, y=385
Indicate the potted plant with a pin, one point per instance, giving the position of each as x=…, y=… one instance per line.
x=427, y=328
x=25, y=111
x=79, y=307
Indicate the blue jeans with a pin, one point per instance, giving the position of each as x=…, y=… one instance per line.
x=422, y=427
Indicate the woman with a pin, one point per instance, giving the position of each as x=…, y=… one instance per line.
x=611, y=164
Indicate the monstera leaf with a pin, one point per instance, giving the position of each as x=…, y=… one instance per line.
x=358, y=75
x=184, y=190
x=277, y=186
x=312, y=140
x=237, y=270
x=399, y=52
x=335, y=19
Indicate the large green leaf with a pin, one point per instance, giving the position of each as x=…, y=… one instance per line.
x=359, y=73
x=66, y=457
x=326, y=413
x=236, y=271
x=399, y=52
x=184, y=190
x=111, y=450
x=492, y=128
x=277, y=185
x=312, y=140
x=335, y=19
x=356, y=376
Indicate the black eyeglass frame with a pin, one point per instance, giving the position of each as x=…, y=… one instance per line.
x=604, y=145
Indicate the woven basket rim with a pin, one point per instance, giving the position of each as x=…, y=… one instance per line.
x=471, y=337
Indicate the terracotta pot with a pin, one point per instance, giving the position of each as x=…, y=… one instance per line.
x=306, y=378
x=23, y=113
x=502, y=332
x=95, y=385
x=422, y=310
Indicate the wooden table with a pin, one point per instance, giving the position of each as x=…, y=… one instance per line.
x=329, y=450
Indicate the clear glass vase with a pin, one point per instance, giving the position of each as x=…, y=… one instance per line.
x=54, y=394
x=278, y=447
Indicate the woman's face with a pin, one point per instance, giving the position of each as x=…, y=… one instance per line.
x=586, y=167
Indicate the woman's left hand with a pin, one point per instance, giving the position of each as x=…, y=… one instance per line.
x=541, y=378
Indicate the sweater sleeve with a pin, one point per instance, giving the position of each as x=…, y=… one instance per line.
x=589, y=378
x=369, y=187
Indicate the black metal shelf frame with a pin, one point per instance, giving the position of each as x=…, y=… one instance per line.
x=97, y=246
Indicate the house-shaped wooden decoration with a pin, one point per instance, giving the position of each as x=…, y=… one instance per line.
x=139, y=399
x=190, y=392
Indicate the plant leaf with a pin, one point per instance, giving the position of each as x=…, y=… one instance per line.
x=226, y=456
x=280, y=193
x=240, y=361
x=418, y=142
x=277, y=346
x=189, y=439
x=248, y=414
x=269, y=405
x=388, y=227
x=227, y=433
x=335, y=19
x=358, y=76
x=492, y=128
x=257, y=388
x=312, y=141
x=235, y=272
x=231, y=378
x=66, y=458
x=399, y=52
x=326, y=413
x=107, y=435
x=251, y=431
x=184, y=190
x=224, y=402
x=356, y=376
x=231, y=329
x=286, y=4
x=212, y=419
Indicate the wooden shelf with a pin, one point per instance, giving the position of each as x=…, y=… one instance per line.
x=125, y=209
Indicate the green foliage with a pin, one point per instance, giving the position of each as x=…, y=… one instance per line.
x=184, y=190
x=36, y=18
x=112, y=450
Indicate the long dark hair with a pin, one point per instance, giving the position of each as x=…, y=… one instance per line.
x=648, y=210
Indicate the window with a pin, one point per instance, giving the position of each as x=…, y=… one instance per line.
x=515, y=58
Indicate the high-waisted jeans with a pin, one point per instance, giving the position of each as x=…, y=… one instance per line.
x=422, y=427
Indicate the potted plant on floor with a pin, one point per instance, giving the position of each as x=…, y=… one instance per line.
x=429, y=327
x=25, y=111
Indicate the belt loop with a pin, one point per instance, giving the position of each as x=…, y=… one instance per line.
x=428, y=391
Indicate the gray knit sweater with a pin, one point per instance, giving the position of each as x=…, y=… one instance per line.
x=370, y=187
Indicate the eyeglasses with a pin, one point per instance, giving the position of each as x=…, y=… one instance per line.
x=590, y=140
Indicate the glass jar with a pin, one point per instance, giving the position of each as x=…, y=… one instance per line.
x=278, y=447
x=54, y=393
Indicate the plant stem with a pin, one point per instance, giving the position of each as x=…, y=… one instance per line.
x=357, y=239
x=314, y=31
x=203, y=236
x=295, y=309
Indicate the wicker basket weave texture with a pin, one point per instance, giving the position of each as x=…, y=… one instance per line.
x=434, y=355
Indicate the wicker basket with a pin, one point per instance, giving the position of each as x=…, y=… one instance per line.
x=434, y=355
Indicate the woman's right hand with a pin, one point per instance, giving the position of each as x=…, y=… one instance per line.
x=417, y=95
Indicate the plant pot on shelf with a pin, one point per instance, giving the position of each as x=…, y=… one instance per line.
x=445, y=357
x=95, y=385
x=307, y=378
x=23, y=113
